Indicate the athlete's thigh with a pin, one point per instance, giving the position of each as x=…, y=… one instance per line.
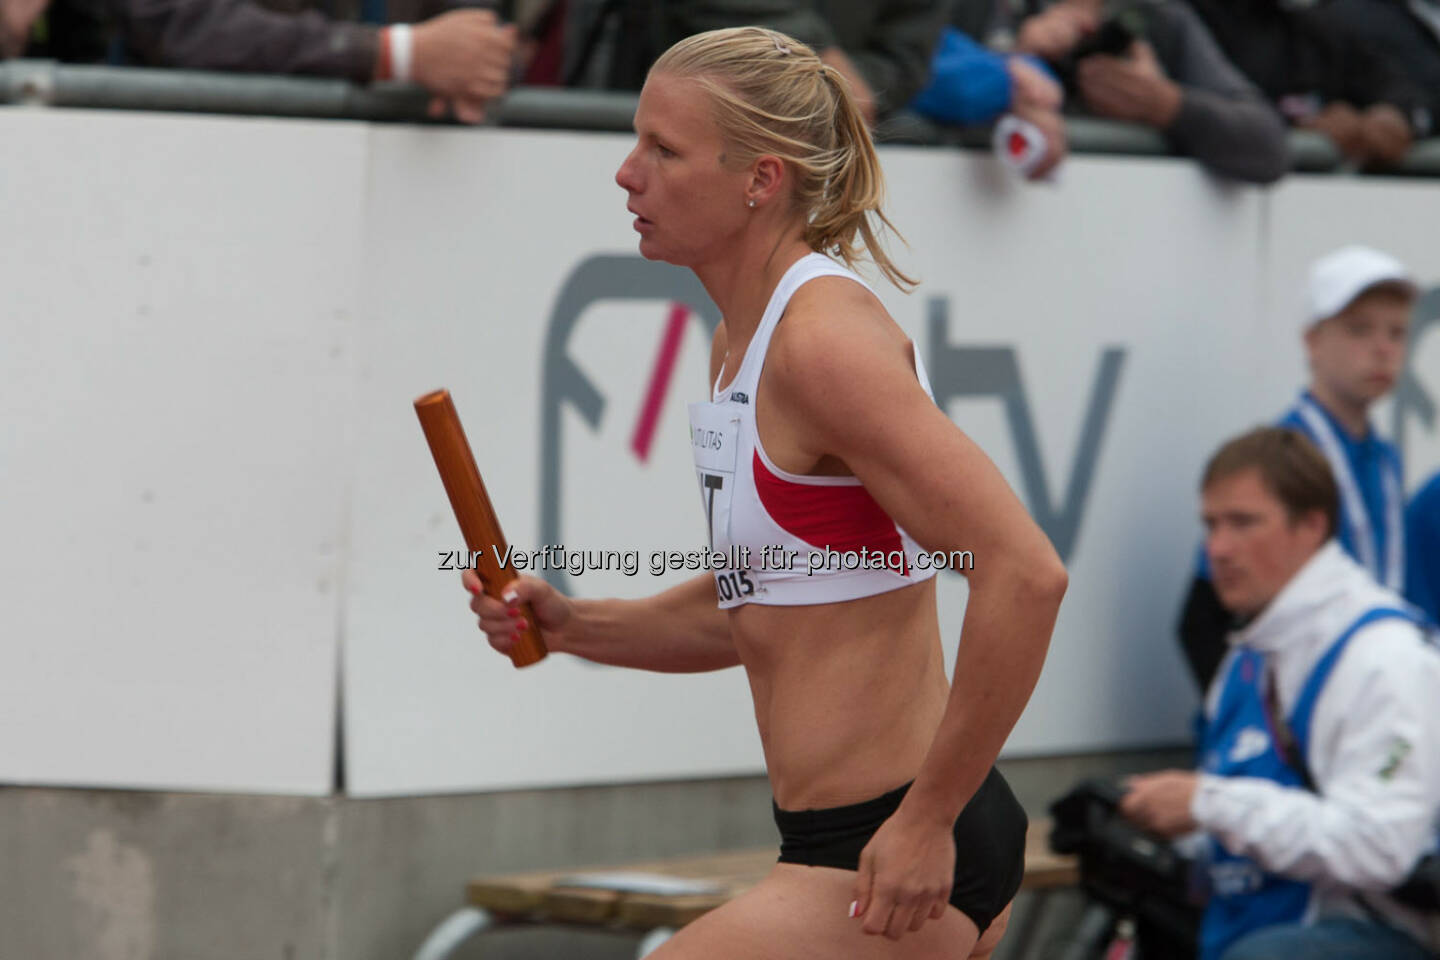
x=990, y=939
x=802, y=913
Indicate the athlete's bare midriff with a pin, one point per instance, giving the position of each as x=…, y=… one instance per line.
x=847, y=695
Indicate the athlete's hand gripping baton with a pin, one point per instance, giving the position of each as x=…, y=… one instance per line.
x=478, y=524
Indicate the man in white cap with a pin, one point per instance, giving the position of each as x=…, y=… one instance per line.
x=1355, y=328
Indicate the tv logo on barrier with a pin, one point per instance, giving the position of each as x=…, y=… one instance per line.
x=955, y=372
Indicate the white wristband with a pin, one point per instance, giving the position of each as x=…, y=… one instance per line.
x=402, y=47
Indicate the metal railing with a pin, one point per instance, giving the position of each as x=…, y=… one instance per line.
x=47, y=83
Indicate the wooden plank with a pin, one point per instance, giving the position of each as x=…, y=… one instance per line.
x=647, y=911
x=516, y=894
x=1044, y=869
x=543, y=895
x=581, y=904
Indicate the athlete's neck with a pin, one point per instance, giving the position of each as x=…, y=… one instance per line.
x=1354, y=415
x=741, y=286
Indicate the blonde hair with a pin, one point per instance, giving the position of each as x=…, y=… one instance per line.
x=773, y=95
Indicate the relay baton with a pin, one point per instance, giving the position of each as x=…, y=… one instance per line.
x=478, y=524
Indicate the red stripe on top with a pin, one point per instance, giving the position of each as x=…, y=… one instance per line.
x=840, y=517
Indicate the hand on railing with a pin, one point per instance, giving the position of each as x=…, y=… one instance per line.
x=1050, y=126
x=1053, y=33
x=464, y=58
x=1386, y=133
x=1379, y=135
x=1132, y=88
x=16, y=18
x=1032, y=87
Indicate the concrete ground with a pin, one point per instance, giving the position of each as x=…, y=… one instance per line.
x=128, y=875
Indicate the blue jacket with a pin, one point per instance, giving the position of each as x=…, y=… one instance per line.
x=1422, y=549
x=969, y=84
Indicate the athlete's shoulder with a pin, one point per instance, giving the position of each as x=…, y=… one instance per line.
x=839, y=362
x=831, y=323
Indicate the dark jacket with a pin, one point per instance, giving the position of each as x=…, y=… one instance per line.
x=1304, y=59
x=1399, y=36
x=319, y=37
x=890, y=41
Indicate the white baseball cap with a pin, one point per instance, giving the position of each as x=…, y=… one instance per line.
x=1342, y=275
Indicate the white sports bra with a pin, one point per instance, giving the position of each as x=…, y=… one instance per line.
x=790, y=539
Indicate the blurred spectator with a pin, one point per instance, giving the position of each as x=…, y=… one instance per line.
x=882, y=47
x=1154, y=64
x=1405, y=34
x=972, y=85
x=1320, y=782
x=17, y=24
x=1322, y=74
x=1422, y=546
x=464, y=57
x=1355, y=326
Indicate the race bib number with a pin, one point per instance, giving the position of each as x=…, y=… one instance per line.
x=714, y=438
x=714, y=435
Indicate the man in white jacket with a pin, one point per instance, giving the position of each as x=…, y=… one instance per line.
x=1320, y=780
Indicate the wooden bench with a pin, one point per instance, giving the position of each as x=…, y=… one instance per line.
x=597, y=898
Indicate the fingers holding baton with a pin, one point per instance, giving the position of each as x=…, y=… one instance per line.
x=525, y=602
x=505, y=611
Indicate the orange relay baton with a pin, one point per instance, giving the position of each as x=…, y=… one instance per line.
x=478, y=524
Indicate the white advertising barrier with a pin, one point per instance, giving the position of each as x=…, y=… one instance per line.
x=175, y=368
x=1097, y=338
x=429, y=706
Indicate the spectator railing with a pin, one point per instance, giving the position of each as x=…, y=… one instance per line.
x=47, y=83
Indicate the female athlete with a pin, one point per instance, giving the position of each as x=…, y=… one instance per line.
x=754, y=168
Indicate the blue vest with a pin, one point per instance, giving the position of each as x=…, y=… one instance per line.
x=1239, y=742
x=1371, y=485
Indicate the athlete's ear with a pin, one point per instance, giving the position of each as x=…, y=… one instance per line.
x=767, y=178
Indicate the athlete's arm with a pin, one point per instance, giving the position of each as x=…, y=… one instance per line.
x=680, y=630
x=840, y=368
x=840, y=373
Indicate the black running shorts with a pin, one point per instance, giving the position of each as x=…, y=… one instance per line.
x=989, y=843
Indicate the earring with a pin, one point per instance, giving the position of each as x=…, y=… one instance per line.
x=751, y=202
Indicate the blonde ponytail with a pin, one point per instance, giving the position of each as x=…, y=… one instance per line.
x=773, y=95
x=855, y=193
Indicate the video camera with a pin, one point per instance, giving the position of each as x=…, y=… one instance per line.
x=1421, y=890
x=1114, y=36
x=1135, y=873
